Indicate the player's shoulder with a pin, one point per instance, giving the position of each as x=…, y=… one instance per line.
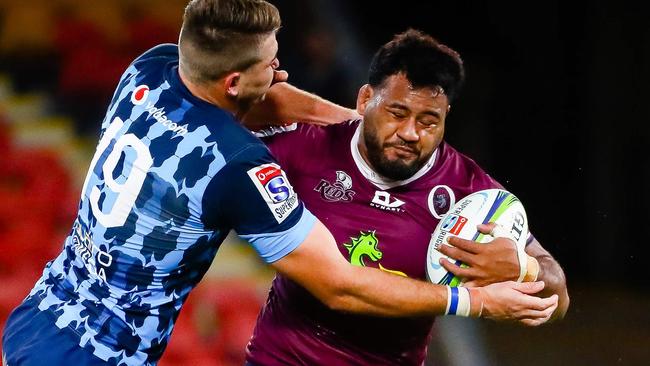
x=464, y=167
x=235, y=142
x=162, y=52
x=332, y=132
x=148, y=71
x=448, y=153
x=150, y=65
x=308, y=132
x=307, y=142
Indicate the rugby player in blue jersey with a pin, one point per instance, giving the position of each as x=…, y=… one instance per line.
x=174, y=172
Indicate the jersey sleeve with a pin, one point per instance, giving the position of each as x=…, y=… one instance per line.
x=252, y=195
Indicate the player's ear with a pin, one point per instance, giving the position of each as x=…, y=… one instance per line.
x=231, y=83
x=363, y=98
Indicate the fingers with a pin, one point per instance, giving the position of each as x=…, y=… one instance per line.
x=456, y=253
x=539, y=317
x=546, y=303
x=279, y=76
x=455, y=269
x=533, y=322
x=469, y=284
x=529, y=287
x=466, y=245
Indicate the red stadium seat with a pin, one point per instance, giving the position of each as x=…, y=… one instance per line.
x=35, y=213
x=215, y=324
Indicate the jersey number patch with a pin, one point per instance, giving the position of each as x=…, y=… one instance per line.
x=128, y=189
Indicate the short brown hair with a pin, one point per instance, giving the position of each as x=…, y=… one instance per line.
x=221, y=36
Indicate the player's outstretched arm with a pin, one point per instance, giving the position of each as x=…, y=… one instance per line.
x=319, y=267
x=284, y=104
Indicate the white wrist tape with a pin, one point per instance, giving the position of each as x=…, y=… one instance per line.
x=501, y=232
x=458, y=301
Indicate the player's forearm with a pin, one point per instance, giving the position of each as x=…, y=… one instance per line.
x=284, y=103
x=553, y=276
x=317, y=265
x=371, y=291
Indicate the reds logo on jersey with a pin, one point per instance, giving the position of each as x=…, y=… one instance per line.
x=339, y=191
x=273, y=185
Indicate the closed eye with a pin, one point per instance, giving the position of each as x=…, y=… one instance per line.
x=399, y=115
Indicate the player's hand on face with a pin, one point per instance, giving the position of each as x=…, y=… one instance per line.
x=514, y=301
x=488, y=263
x=279, y=76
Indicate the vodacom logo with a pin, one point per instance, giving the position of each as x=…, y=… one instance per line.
x=140, y=94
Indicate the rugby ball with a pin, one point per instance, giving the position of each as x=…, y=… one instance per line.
x=490, y=205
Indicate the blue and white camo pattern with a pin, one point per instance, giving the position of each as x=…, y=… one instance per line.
x=140, y=241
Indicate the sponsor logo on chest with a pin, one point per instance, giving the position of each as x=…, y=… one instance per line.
x=160, y=116
x=139, y=97
x=384, y=201
x=338, y=191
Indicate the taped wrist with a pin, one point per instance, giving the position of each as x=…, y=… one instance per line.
x=532, y=270
x=500, y=232
x=463, y=302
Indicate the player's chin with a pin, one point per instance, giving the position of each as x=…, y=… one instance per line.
x=398, y=169
x=401, y=157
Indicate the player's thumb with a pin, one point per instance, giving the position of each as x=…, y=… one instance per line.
x=530, y=287
x=486, y=228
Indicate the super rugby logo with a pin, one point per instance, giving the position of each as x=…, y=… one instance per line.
x=339, y=191
x=275, y=189
x=454, y=224
x=274, y=183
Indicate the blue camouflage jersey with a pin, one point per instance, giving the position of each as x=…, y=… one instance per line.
x=171, y=177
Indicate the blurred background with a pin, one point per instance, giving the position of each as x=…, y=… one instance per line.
x=555, y=107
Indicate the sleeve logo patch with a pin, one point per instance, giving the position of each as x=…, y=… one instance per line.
x=277, y=192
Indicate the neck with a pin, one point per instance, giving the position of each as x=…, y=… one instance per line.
x=363, y=150
x=209, y=95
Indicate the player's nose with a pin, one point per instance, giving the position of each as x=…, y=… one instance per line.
x=407, y=130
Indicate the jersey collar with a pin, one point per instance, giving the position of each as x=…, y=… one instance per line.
x=375, y=178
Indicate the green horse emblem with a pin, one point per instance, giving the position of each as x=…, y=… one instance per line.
x=363, y=246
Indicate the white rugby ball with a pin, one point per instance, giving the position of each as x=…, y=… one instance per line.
x=490, y=205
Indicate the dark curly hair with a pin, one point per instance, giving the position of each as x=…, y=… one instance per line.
x=424, y=61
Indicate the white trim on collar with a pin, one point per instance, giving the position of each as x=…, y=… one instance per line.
x=375, y=178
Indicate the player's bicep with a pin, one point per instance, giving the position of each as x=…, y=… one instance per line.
x=535, y=249
x=253, y=196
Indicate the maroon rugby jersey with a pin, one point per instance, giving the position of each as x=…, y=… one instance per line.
x=376, y=223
